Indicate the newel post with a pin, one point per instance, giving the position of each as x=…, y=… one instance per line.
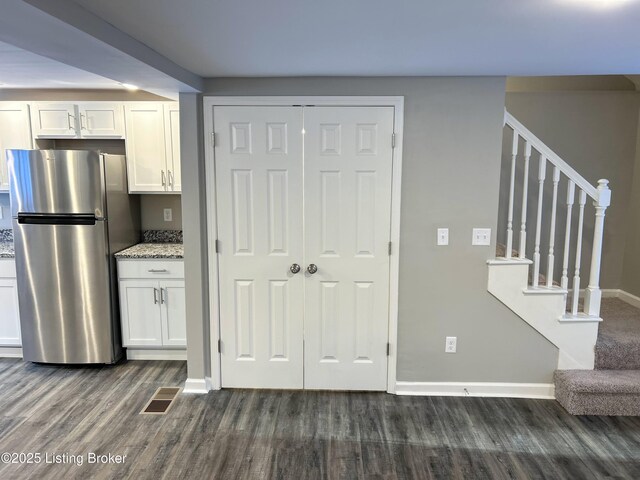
x=593, y=294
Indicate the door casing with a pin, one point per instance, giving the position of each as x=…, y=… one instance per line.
x=209, y=102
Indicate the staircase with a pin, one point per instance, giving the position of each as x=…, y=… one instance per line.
x=552, y=294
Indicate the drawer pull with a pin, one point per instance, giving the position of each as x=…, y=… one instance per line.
x=164, y=270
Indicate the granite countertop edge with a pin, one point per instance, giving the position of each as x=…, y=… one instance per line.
x=152, y=251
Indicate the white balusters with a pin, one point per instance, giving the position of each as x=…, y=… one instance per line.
x=552, y=229
x=525, y=195
x=542, y=169
x=512, y=184
x=582, y=200
x=601, y=200
x=571, y=188
x=593, y=294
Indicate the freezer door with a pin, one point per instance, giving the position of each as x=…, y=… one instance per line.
x=56, y=182
x=63, y=273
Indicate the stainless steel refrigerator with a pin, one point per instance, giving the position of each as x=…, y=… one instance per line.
x=71, y=211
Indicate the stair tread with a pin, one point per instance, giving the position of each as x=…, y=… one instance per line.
x=599, y=381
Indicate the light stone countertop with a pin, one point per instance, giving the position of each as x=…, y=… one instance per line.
x=6, y=250
x=153, y=250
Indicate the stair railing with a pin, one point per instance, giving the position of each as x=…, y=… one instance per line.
x=601, y=196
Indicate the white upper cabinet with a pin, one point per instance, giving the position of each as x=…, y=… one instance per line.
x=172, y=138
x=153, y=147
x=54, y=120
x=101, y=120
x=77, y=120
x=15, y=132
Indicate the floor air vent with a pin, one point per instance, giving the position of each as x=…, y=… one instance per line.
x=161, y=401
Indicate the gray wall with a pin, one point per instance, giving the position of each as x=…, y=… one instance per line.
x=451, y=172
x=595, y=132
x=631, y=271
x=152, y=210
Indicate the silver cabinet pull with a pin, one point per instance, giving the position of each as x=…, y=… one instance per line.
x=155, y=295
x=295, y=268
x=162, y=292
x=170, y=178
x=164, y=270
x=164, y=179
x=82, y=124
x=69, y=117
x=312, y=268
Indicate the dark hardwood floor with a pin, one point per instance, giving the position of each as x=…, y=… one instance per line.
x=294, y=435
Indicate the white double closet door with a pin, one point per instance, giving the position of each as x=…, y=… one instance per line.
x=305, y=186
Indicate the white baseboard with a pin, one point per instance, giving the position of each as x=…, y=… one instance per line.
x=629, y=298
x=197, y=385
x=10, y=352
x=477, y=389
x=155, y=354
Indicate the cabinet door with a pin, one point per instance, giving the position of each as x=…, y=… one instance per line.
x=141, y=313
x=101, y=120
x=146, y=150
x=15, y=132
x=54, y=120
x=9, y=314
x=172, y=138
x=174, y=321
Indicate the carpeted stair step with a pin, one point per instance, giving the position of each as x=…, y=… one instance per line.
x=618, y=345
x=599, y=392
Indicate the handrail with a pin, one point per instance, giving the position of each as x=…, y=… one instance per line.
x=550, y=155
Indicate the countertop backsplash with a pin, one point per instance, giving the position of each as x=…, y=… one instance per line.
x=6, y=235
x=162, y=236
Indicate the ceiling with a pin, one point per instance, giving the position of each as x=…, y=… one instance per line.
x=22, y=69
x=381, y=37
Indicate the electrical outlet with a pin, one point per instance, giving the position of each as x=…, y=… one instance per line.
x=443, y=236
x=451, y=344
x=481, y=236
x=168, y=214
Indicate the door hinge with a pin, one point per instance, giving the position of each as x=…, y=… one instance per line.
x=219, y=346
x=393, y=140
x=388, y=348
x=217, y=243
x=389, y=248
x=213, y=139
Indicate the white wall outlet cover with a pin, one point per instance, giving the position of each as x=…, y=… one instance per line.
x=451, y=344
x=168, y=215
x=443, y=236
x=481, y=236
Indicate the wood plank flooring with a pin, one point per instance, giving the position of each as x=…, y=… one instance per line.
x=245, y=434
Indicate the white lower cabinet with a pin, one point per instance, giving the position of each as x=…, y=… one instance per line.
x=9, y=311
x=152, y=305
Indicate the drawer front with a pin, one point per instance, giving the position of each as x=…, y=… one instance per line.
x=151, y=269
x=7, y=268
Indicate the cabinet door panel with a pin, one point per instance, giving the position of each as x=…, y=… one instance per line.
x=141, y=313
x=15, y=132
x=146, y=149
x=54, y=120
x=174, y=322
x=172, y=136
x=9, y=314
x=101, y=120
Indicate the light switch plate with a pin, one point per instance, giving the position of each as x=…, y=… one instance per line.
x=168, y=215
x=443, y=236
x=481, y=236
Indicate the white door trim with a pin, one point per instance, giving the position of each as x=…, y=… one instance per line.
x=212, y=223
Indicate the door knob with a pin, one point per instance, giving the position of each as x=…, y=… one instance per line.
x=295, y=268
x=312, y=268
